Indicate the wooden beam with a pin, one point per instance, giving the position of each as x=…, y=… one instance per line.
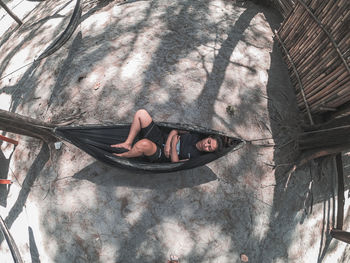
x=341, y=235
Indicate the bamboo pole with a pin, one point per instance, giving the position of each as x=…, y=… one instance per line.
x=341, y=87
x=305, y=43
x=323, y=69
x=323, y=84
x=330, y=37
x=306, y=55
x=311, y=70
x=308, y=46
x=327, y=88
x=316, y=37
x=311, y=46
x=341, y=97
x=330, y=68
x=334, y=98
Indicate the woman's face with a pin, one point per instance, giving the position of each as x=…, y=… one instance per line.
x=207, y=145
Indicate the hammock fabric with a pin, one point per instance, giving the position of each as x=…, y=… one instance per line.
x=96, y=141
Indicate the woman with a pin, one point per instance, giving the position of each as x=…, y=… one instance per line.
x=160, y=147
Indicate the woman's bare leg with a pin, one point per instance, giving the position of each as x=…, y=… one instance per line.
x=142, y=147
x=141, y=120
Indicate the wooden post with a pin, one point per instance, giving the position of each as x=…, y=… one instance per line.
x=341, y=198
x=10, y=13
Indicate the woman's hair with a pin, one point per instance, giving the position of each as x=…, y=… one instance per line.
x=219, y=142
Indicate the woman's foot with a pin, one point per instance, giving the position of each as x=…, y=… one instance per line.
x=122, y=145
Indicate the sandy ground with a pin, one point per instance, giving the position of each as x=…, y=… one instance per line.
x=184, y=61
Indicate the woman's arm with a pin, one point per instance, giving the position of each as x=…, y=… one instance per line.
x=167, y=147
x=173, y=153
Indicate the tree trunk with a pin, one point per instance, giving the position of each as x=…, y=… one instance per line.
x=323, y=140
x=15, y=123
x=10, y=13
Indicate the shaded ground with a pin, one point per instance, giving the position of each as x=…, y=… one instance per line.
x=184, y=61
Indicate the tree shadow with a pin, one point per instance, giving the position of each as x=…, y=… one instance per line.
x=165, y=185
x=28, y=78
x=181, y=39
x=4, y=189
x=167, y=202
x=35, y=29
x=19, y=95
x=64, y=72
x=34, y=253
x=33, y=172
x=7, y=35
x=216, y=77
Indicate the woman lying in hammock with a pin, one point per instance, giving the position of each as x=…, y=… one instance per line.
x=160, y=147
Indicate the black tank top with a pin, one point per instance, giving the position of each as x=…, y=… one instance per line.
x=188, y=146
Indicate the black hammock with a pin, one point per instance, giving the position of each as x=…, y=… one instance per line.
x=96, y=141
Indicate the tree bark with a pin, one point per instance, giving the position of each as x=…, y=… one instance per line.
x=10, y=13
x=15, y=123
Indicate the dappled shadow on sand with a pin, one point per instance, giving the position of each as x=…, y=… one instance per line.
x=206, y=213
